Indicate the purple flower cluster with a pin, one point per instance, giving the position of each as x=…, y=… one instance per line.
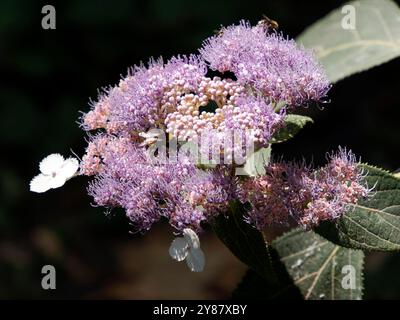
x=149, y=188
x=173, y=97
x=146, y=95
x=275, y=66
x=295, y=193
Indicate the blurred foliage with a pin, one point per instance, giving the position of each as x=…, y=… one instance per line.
x=47, y=78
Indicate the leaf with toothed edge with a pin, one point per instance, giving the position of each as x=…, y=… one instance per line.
x=316, y=266
x=308, y=267
x=372, y=224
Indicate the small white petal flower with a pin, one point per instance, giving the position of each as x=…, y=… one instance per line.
x=69, y=168
x=55, y=171
x=40, y=183
x=188, y=247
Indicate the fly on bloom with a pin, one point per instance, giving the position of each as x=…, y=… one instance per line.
x=188, y=247
x=55, y=171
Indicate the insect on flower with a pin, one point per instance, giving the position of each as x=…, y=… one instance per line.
x=268, y=23
x=188, y=247
x=55, y=171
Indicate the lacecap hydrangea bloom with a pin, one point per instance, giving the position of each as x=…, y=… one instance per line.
x=139, y=129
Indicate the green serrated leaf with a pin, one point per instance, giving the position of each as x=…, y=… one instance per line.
x=343, y=52
x=307, y=266
x=255, y=163
x=372, y=224
x=245, y=242
x=293, y=124
x=316, y=266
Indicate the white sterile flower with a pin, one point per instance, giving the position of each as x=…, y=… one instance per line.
x=188, y=247
x=55, y=171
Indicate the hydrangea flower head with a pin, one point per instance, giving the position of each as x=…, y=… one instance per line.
x=140, y=129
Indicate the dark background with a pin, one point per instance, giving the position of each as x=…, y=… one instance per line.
x=47, y=78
